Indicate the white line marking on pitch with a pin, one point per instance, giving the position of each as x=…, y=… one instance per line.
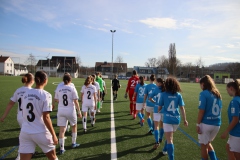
x=113, y=134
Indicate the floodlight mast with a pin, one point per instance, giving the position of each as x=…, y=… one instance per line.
x=113, y=31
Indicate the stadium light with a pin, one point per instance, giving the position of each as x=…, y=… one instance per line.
x=112, y=49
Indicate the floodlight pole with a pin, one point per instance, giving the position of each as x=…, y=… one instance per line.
x=112, y=49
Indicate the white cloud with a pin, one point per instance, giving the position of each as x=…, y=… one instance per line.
x=160, y=22
x=50, y=50
x=107, y=25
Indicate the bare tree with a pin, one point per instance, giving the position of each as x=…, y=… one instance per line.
x=152, y=62
x=162, y=61
x=31, y=63
x=172, y=58
x=119, y=60
x=79, y=63
x=199, y=62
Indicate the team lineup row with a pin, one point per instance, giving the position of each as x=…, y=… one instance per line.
x=35, y=105
x=163, y=100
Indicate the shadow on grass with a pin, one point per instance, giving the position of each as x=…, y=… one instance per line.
x=9, y=142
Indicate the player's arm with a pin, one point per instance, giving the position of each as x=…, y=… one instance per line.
x=184, y=115
x=234, y=122
x=78, y=108
x=151, y=97
x=7, y=110
x=82, y=96
x=48, y=122
x=95, y=100
x=128, y=86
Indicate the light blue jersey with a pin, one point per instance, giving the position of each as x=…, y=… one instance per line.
x=234, y=110
x=157, y=94
x=212, y=107
x=139, y=89
x=149, y=89
x=171, y=102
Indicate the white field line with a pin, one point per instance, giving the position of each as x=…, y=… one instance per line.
x=113, y=134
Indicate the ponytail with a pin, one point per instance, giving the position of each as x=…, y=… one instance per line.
x=236, y=85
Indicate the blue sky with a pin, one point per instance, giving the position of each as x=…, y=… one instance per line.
x=204, y=29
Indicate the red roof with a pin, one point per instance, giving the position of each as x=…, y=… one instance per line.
x=3, y=59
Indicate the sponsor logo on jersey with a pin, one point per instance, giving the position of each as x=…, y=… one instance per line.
x=232, y=110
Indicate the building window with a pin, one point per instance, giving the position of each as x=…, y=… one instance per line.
x=149, y=71
x=10, y=71
x=7, y=64
x=142, y=71
x=7, y=71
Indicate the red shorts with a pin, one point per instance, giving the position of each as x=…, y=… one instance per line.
x=130, y=94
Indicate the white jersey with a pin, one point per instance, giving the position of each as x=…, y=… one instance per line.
x=66, y=95
x=104, y=84
x=17, y=97
x=34, y=103
x=88, y=95
x=62, y=84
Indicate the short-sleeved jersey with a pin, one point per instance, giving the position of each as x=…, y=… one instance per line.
x=34, y=103
x=100, y=82
x=66, y=95
x=212, y=107
x=88, y=95
x=62, y=84
x=140, y=92
x=171, y=103
x=18, y=96
x=157, y=94
x=149, y=89
x=234, y=110
x=132, y=82
x=115, y=83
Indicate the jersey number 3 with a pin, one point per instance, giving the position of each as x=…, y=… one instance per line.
x=31, y=115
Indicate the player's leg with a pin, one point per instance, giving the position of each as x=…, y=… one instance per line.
x=93, y=116
x=52, y=155
x=204, y=139
x=156, y=119
x=169, y=129
x=26, y=146
x=73, y=121
x=213, y=130
x=161, y=130
x=62, y=123
x=84, y=118
x=233, y=147
x=139, y=107
x=149, y=119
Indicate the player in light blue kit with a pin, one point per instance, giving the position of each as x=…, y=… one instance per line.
x=209, y=116
x=233, y=129
x=158, y=117
x=139, y=93
x=171, y=100
x=150, y=105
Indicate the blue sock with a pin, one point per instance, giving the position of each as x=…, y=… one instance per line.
x=140, y=116
x=156, y=135
x=170, y=151
x=153, y=126
x=212, y=155
x=165, y=146
x=149, y=121
x=161, y=133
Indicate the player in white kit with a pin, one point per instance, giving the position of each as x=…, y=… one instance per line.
x=67, y=98
x=37, y=125
x=28, y=81
x=89, y=101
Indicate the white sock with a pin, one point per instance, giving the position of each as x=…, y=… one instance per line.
x=74, y=137
x=61, y=143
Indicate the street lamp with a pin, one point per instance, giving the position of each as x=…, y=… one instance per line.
x=112, y=49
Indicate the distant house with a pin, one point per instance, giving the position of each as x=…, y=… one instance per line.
x=6, y=65
x=106, y=68
x=20, y=69
x=58, y=65
x=147, y=71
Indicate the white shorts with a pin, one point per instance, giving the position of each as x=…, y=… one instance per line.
x=65, y=115
x=208, y=134
x=170, y=127
x=139, y=106
x=149, y=109
x=157, y=117
x=234, y=144
x=28, y=142
x=85, y=108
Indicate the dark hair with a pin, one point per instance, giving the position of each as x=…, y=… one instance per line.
x=172, y=85
x=27, y=78
x=141, y=80
x=160, y=80
x=152, y=77
x=40, y=77
x=88, y=80
x=236, y=86
x=134, y=72
x=67, y=78
x=66, y=73
x=208, y=84
x=93, y=78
